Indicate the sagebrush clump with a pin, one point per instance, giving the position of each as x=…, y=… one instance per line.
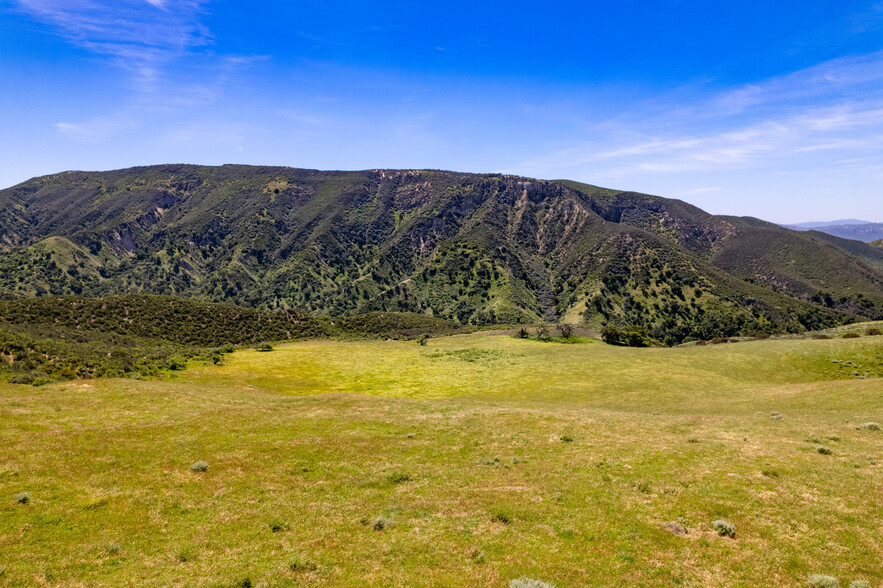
x=529, y=583
x=22, y=497
x=382, y=522
x=822, y=581
x=870, y=426
x=199, y=466
x=724, y=528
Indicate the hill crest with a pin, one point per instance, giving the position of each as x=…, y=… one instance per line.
x=473, y=248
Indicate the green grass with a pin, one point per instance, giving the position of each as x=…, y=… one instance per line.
x=457, y=445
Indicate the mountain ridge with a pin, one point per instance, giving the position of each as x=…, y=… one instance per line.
x=860, y=231
x=474, y=248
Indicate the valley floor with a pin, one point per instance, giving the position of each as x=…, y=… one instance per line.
x=470, y=461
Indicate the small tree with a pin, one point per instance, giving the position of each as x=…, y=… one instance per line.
x=565, y=330
x=611, y=335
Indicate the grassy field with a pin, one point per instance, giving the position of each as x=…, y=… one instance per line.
x=470, y=461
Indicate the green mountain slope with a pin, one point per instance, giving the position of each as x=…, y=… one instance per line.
x=470, y=248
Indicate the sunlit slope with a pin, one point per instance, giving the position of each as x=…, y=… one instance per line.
x=468, y=462
x=493, y=366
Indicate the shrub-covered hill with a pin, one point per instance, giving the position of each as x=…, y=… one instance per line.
x=178, y=320
x=205, y=324
x=66, y=337
x=40, y=354
x=474, y=249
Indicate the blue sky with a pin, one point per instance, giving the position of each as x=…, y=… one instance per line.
x=769, y=109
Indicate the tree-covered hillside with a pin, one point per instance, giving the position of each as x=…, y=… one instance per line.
x=474, y=249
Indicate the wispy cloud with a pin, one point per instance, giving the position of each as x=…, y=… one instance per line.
x=142, y=36
x=95, y=129
x=835, y=107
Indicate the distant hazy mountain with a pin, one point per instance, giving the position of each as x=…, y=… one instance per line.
x=471, y=248
x=848, y=229
x=819, y=225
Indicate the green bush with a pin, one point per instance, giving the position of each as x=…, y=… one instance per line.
x=822, y=581
x=529, y=583
x=382, y=522
x=501, y=516
x=398, y=478
x=823, y=450
x=872, y=332
x=870, y=426
x=22, y=497
x=264, y=347
x=199, y=466
x=859, y=584
x=724, y=528
x=300, y=564
x=632, y=337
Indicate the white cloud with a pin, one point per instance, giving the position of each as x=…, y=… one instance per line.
x=834, y=107
x=133, y=33
x=94, y=130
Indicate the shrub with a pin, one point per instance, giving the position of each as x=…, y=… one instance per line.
x=382, y=522
x=278, y=526
x=565, y=330
x=719, y=340
x=567, y=438
x=113, y=548
x=676, y=528
x=300, y=564
x=832, y=437
x=823, y=450
x=872, y=332
x=851, y=335
x=529, y=583
x=522, y=333
x=199, y=466
x=724, y=528
x=820, y=336
x=264, y=347
x=398, y=478
x=478, y=556
x=423, y=339
x=870, y=426
x=22, y=497
x=775, y=416
x=821, y=581
x=859, y=584
x=501, y=516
